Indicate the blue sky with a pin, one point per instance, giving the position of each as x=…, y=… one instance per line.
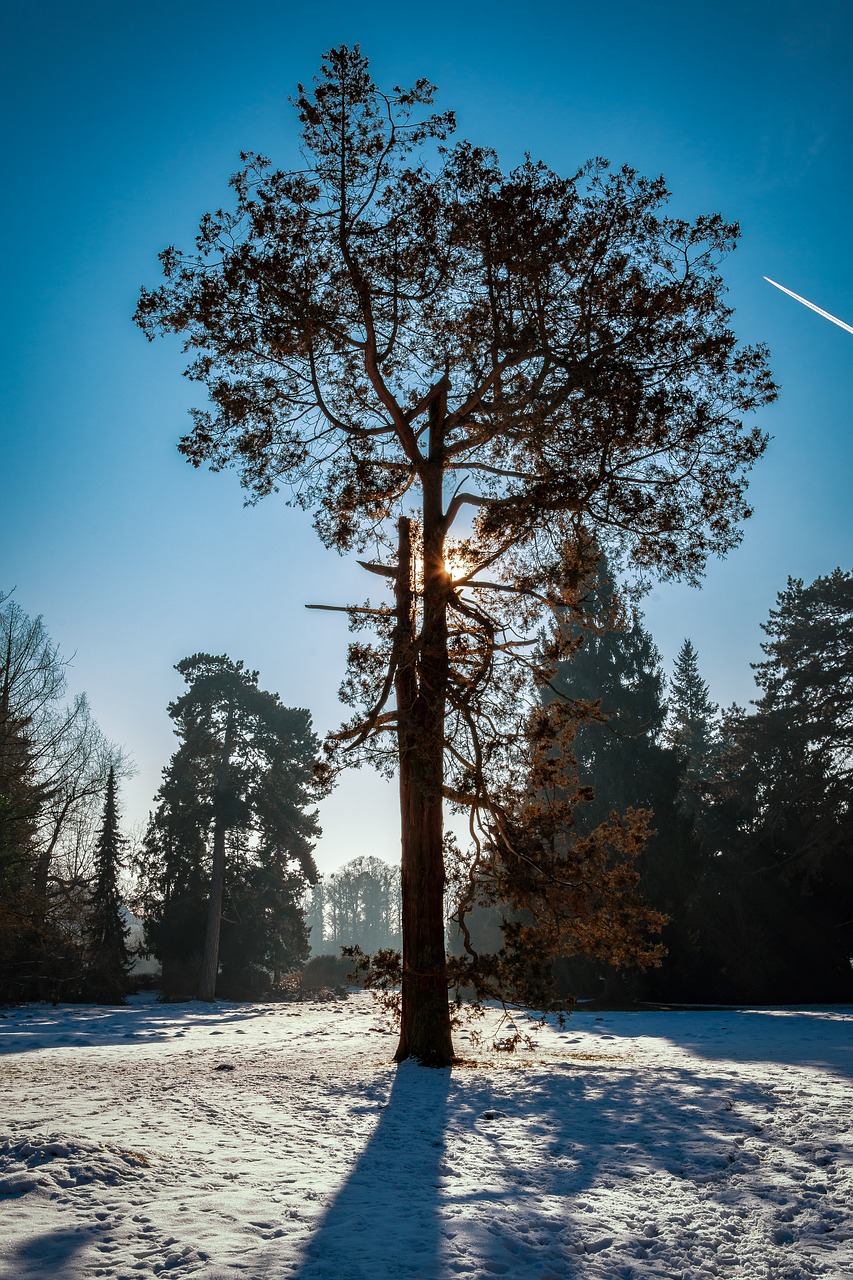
x=123, y=122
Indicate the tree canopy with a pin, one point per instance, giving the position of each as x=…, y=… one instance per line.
x=781, y=816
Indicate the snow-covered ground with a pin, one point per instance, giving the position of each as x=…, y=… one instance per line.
x=261, y=1141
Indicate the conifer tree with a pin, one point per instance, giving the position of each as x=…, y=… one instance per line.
x=783, y=812
x=108, y=959
x=20, y=802
x=401, y=332
x=623, y=757
x=228, y=853
x=692, y=727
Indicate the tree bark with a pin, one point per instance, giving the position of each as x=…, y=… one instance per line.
x=421, y=684
x=210, y=962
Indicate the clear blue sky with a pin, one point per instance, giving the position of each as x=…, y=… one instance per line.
x=122, y=123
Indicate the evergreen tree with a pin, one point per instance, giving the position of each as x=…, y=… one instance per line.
x=21, y=798
x=692, y=728
x=53, y=770
x=623, y=757
x=782, y=821
x=614, y=682
x=554, y=352
x=108, y=960
x=227, y=853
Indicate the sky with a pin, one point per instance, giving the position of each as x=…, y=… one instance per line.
x=122, y=124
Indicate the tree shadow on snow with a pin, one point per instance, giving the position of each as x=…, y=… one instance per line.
x=384, y=1220
x=33, y=1026
x=518, y=1172
x=816, y=1037
x=50, y=1254
x=578, y=1160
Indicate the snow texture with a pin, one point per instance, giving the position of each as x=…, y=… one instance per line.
x=246, y=1142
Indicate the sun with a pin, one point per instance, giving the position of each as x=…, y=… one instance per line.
x=459, y=560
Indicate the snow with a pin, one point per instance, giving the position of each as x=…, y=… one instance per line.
x=258, y=1141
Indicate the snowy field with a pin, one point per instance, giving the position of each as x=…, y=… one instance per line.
x=255, y=1141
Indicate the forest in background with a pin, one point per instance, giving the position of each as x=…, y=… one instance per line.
x=749, y=813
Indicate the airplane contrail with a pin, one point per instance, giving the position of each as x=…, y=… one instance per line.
x=806, y=303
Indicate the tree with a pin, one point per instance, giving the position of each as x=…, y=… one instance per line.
x=54, y=763
x=228, y=849
x=314, y=908
x=20, y=801
x=782, y=818
x=108, y=960
x=402, y=340
x=692, y=728
x=623, y=757
x=32, y=681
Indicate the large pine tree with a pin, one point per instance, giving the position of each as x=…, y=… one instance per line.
x=227, y=854
x=397, y=344
x=107, y=956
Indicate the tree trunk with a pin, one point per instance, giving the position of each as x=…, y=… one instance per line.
x=210, y=963
x=421, y=684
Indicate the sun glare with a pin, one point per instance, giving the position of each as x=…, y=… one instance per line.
x=458, y=560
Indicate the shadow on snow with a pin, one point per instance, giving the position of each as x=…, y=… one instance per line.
x=37, y=1026
x=484, y=1172
x=816, y=1036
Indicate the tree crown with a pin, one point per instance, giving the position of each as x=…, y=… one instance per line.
x=570, y=336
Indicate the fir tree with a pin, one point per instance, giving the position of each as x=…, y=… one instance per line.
x=782, y=820
x=623, y=757
x=692, y=728
x=108, y=959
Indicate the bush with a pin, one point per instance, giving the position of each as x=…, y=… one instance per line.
x=326, y=971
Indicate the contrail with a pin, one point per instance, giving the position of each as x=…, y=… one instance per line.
x=806, y=303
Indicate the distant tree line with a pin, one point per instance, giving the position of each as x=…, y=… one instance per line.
x=358, y=905
x=746, y=859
